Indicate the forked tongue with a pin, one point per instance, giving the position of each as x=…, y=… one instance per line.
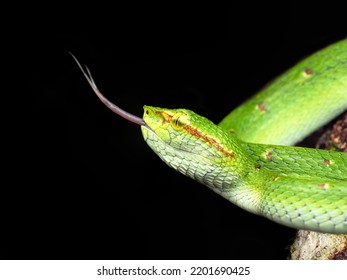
x=114, y=108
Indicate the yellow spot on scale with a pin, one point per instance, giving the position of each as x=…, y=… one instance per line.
x=307, y=73
x=275, y=178
x=261, y=107
x=327, y=162
x=323, y=186
x=268, y=155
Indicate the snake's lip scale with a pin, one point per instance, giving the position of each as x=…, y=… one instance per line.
x=147, y=126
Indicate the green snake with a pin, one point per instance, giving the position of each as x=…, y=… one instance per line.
x=246, y=158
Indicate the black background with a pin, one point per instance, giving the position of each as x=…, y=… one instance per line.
x=82, y=183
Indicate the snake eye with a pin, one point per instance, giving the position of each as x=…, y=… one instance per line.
x=179, y=120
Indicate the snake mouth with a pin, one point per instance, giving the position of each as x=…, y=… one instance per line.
x=145, y=125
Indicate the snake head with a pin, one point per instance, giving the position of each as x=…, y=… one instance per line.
x=181, y=134
x=165, y=129
x=167, y=124
x=192, y=145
